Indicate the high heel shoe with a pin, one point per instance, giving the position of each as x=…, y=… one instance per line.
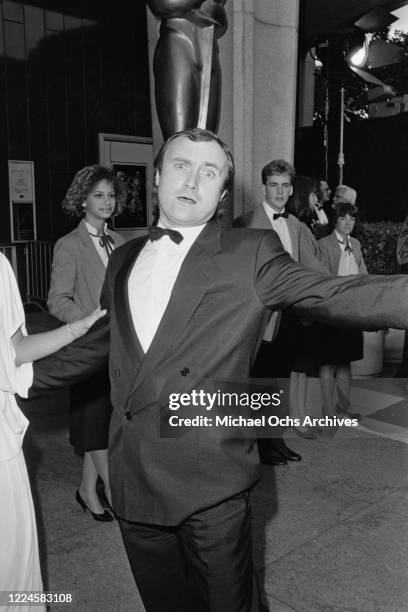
x=104, y=516
x=106, y=505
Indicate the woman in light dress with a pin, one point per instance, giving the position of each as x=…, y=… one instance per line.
x=19, y=561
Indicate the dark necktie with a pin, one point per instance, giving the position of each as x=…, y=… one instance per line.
x=106, y=241
x=347, y=248
x=284, y=214
x=155, y=233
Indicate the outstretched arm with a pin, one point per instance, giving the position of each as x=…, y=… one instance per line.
x=36, y=346
x=361, y=301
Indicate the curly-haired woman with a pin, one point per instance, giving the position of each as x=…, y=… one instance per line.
x=78, y=271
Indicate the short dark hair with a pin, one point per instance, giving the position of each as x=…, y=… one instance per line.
x=345, y=208
x=83, y=183
x=199, y=135
x=277, y=166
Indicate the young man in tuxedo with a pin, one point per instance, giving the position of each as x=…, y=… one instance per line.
x=274, y=356
x=185, y=303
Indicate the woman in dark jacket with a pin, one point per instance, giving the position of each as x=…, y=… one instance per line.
x=341, y=254
x=78, y=271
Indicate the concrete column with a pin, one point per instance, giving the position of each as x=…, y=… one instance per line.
x=274, y=93
x=306, y=90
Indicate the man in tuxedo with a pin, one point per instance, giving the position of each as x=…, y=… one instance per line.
x=274, y=356
x=188, y=303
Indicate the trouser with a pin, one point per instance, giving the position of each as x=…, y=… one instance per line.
x=202, y=565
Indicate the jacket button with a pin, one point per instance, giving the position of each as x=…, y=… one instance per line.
x=128, y=415
x=185, y=371
x=117, y=372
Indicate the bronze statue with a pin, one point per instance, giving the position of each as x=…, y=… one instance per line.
x=186, y=66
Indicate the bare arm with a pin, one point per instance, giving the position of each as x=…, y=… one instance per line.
x=36, y=346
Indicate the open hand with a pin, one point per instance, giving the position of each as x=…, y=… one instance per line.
x=80, y=327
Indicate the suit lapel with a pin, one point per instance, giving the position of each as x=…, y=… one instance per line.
x=193, y=280
x=121, y=300
x=293, y=229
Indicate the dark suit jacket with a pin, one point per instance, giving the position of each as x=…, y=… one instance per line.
x=210, y=329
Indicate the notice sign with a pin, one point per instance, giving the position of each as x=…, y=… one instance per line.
x=22, y=201
x=21, y=181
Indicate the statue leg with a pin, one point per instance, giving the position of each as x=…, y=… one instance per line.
x=177, y=82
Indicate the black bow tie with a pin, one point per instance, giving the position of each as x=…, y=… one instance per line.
x=347, y=248
x=284, y=214
x=106, y=241
x=319, y=206
x=155, y=233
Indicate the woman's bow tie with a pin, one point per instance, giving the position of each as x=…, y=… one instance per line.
x=106, y=241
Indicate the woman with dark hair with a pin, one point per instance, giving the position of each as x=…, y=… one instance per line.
x=78, y=271
x=303, y=334
x=342, y=255
x=305, y=202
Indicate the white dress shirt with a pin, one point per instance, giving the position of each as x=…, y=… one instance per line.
x=321, y=216
x=347, y=263
x=152, y=279
x=280, y=226
x=95, y=237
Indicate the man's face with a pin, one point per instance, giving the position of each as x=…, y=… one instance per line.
x=278, y=189
x=325, y=191
x=190, y=184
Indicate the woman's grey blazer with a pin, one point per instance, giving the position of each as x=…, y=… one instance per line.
x=331, y=251
x=77, y=275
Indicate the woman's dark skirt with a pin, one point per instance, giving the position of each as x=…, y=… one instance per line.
x=90, y=413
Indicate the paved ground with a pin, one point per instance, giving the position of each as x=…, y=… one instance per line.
x=330, y=533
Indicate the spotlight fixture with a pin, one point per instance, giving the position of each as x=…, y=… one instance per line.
x=359, y=57
x=355, y=47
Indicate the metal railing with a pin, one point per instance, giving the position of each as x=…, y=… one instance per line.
x=38, y=261
x=31, y=262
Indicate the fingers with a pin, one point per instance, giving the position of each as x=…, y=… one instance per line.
x=95, y=316
x=100, y=314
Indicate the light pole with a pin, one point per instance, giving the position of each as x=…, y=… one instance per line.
x=340, y=161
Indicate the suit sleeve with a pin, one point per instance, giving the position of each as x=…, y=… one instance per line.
x=362, y=302
x=62, y=285
x=309, y=251
x=81, y=358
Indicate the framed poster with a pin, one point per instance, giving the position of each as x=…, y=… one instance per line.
x=131, y=158
x=134, y=214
